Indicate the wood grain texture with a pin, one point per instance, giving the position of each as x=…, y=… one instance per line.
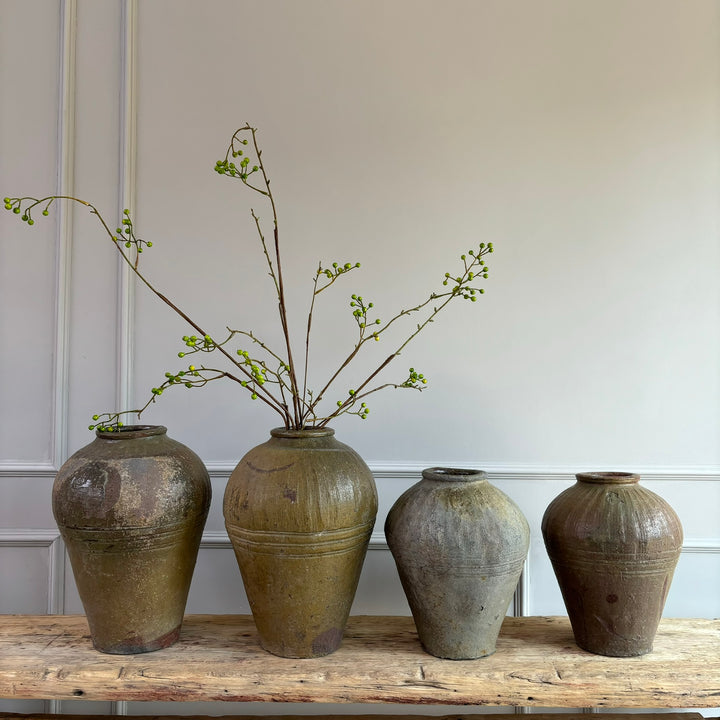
x=218, y=658
x=479, y=716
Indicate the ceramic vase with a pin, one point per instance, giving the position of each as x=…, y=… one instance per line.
x=299, y=510
x=131, y=507
x=459, y=544
x=613, y=545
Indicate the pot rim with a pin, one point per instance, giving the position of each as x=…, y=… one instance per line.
x=131, y=432
x=451, y=474
x=308, y=432
x=611, y=477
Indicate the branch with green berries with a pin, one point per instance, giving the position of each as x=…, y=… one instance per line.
x=271, y=375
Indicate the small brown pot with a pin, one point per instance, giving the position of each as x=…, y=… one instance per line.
x=614, y=546
x=299, y=510
x=131, y=507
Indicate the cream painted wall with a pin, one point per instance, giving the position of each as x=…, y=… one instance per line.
x=582, y=138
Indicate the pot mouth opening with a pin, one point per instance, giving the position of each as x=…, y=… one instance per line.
x=608, y=478
x=307, y=432
x=131, y=432
x=449, y=474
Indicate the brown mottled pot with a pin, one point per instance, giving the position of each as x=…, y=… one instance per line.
x=459, y=544
x=131, y=507
x=613, y=545
x=299, y=510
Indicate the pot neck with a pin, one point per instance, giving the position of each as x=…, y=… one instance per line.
x=608, y=478
x=444, y=474
x=132, y=432
x=305, y=433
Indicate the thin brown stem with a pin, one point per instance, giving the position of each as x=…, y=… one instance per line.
x=266, y=397
x=280, y=286
x=307, y=340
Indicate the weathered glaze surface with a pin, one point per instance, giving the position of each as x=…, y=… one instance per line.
x=131, y=507
x=459, y=544
x=613, y=545
x=299, y=510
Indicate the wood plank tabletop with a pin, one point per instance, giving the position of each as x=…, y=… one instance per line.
x=380, y=661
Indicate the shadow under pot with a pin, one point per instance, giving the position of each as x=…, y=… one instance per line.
x=614, y=546
x=459, y=544
x=131, y=507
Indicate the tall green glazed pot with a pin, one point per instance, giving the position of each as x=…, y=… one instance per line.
x=613, y=545
x=299, y=510
x=131, y=507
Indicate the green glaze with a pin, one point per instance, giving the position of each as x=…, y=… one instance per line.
x=299, y=510
x=131, y=507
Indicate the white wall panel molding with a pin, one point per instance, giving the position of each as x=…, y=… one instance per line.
x=45, y=538
x=219, y=540
x=702, y=546
x=43, y=470
x=65, y=186
x=215, y=540
x=126, y=185
x=28, y=538
x=413, y=470
x=522, y=598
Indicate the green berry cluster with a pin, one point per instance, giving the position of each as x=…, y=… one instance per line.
x=475, y=268
x=362, y=411
x=107, y=422
x=196, y=344
x=16, y=206
x=334, y=272
x=360, y=313
x=191, y=377
x=258, y=371
x=415, y=380
x=125, y=234
x=242, y=169
x=188, y=378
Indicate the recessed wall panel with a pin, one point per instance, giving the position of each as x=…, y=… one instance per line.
x=29, y=37
x=25, y=571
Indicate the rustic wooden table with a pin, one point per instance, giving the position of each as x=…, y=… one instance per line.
x=380, y=661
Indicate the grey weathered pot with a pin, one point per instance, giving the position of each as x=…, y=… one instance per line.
x=131, y=507
x=299, y=510
x=459, y=544
x=613, y=545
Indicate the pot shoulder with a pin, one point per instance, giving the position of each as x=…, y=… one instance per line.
x=616, y=518
x=444, y=516
x=157, y=481
x=299, y=486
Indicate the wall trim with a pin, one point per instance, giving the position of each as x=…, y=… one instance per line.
x=65, y=186
x=215, y=540
x=45, y=538
x=22, y=537
x=42, y=470
x=701, y=546
x=126, y=199
x=521, y=597
x=219, y=540
x=499, y=471
x=412, y=471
